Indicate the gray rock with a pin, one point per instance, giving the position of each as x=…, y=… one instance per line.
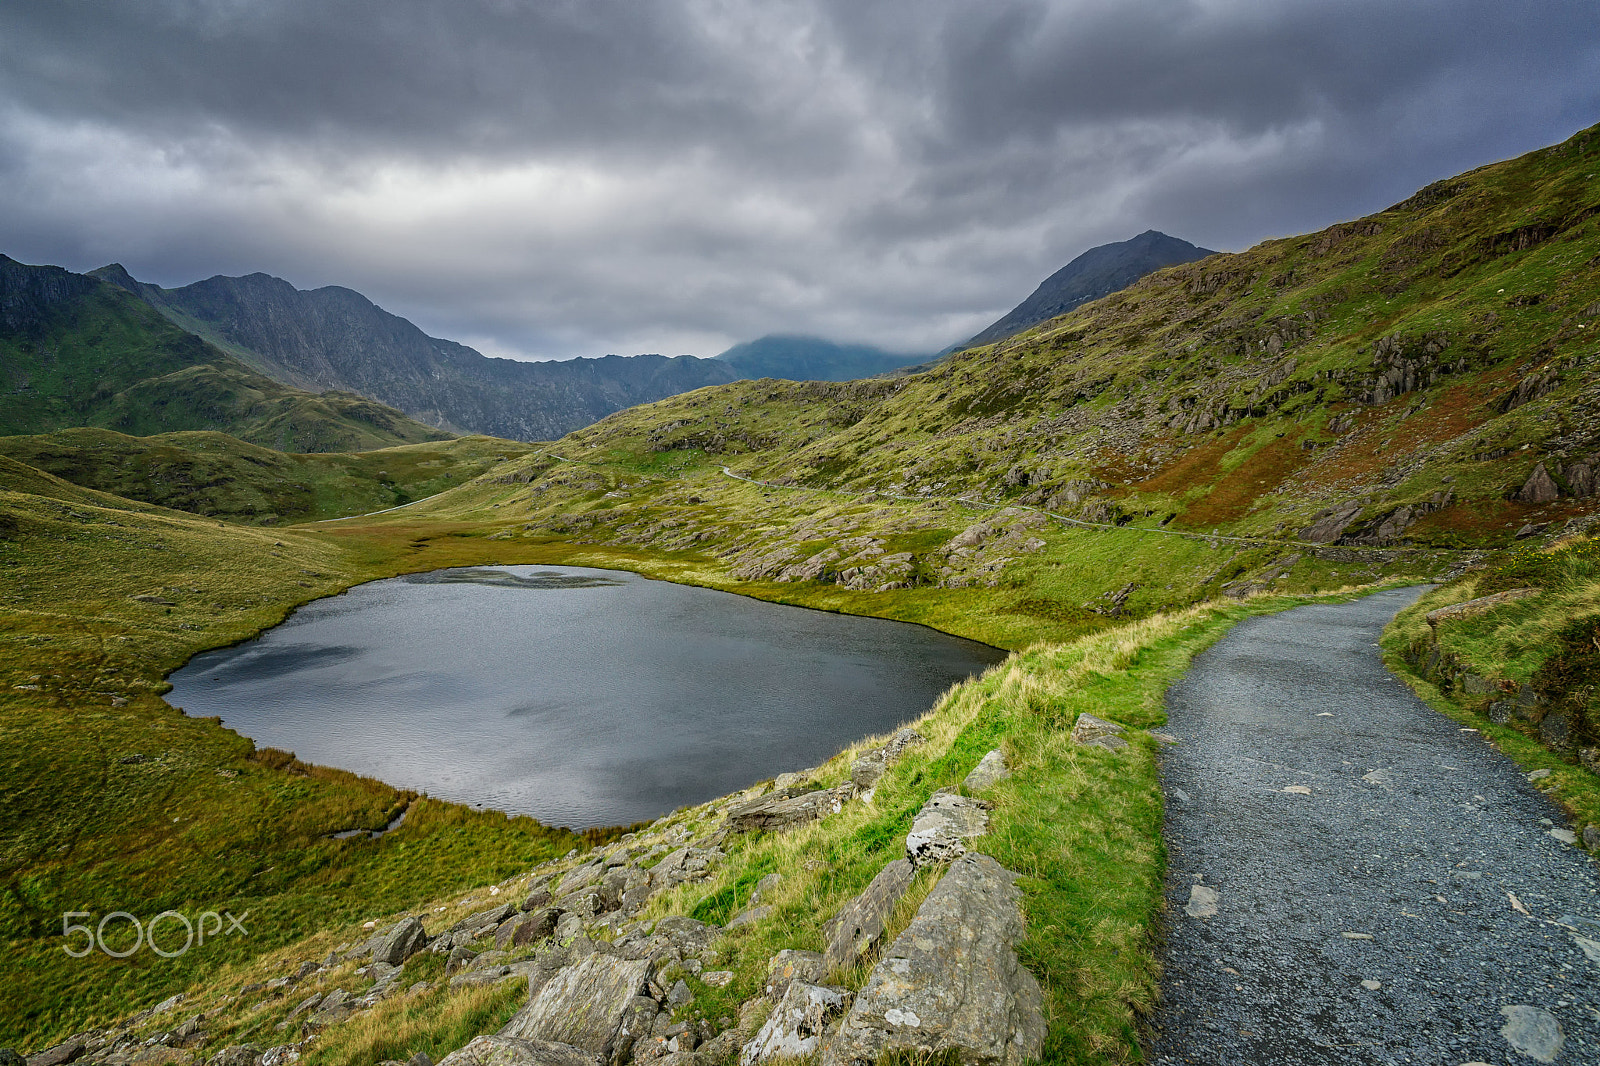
x=1202, y=902
x=942, y=825
x=866, y=770
x=508, y=1051
x=400, y=943
x=768, y=813
x=638, y=1020
x=903, y=738
x=681, y=995
x=990, y=769
x=1538, y=775
x=570, y=926
x=1500, y=711
x=691, y=938
x=11, y=1057
x=748, y=915
x=582, y=1005
x=1556, y=731
x=796, y=1026
x=419, y=1059
x=763, y=886
x=310, y=1003
x=236, y=1055
x=854, y=932
x=790, y=965
x=685, y=864
x=951, y=983
x=473, y=923
x=69, y=1050
x=581, y=877
x=1533, y=1032
x=1098, y=733
x=1591, y=837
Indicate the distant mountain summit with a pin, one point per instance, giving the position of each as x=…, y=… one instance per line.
x=1098, y=272
x=334, y=338
x=798, y=358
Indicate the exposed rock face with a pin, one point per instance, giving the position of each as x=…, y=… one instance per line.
x=1472, y=608
x=942, y=826
x=990, y=770
x=789, y=966
x=400, y=943
x=951, y=983
x=1331, y=526
x=506, y=1051
x=582, y=1005
x=1098, y=733
x=855, y=931
x=1539, y=488
x=795, y=1027
x=770, y=812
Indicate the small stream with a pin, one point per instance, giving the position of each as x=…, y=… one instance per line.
x=576, y=695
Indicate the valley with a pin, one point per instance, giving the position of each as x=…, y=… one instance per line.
x=1408, y=398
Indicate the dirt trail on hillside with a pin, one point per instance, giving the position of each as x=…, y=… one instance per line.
x=1354, y=878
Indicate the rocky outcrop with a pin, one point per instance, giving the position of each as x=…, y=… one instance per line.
x=775, y=811
x=943, y=826
x=871, y=765
x=795, y=1028
x=508, y=1051
x=951, y=983
x=854, y=932
x=400, y=943
x=583, y=1005
x=1457, y=612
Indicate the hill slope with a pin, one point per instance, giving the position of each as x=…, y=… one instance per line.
x=335, y=338
x=811, y=359
x=75, y=351
x=1098, y=272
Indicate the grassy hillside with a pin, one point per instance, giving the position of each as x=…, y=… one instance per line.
x=222, y=477
x=77, y=351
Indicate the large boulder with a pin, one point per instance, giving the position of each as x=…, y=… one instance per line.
x=791, y=965
x=942, y=826
x=582, y=1005
x=400, y=943
x=509, y=1051
x=951, y=983
x=795, y=1027
x=1472, y=608
x=854, y=932
x=767, y=813
x=69, y=1050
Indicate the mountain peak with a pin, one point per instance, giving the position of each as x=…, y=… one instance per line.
x=1098, y=272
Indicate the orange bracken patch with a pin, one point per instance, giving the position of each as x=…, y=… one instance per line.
x=1198, y=466
x=1261, y=473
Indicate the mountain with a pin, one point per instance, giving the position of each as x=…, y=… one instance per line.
x=797, y=358
x=335, y=338
x=77, y=351
x=1098, y=272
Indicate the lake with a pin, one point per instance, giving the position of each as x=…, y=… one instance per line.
x=579, y=696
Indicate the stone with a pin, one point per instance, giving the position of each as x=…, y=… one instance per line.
x=583, y=1005
x=866, y=770
x=1589, y=947
x=1098, y=733
x=1202, y=902
x=510, y=1051
x=310, y=1003
x=796, y=1026
x=942, y=826
x=790, y=965
x=281, y=1055
x=748, y=915
x=1533, y=1032
x=854, y=932
x=69, y=1050
x=1538, y=775
x=638, y=1019
x=1591, y=837
x=717, y=978
x=1589, y=759
x=689, y=936
x=1300, y=790
x=680, y=995
x=1555, y=730
x=1372, y=986
x=763, y=886
x=767, y=813
x=569, y=927
x=951, y=983
x=1539, y=488
x=990, y=770
x=473, y=923
x=536, y=926
x=1471, y=608
x=1331, y=526
x=11, y=1057
x=401, y=942
x=581, y=877
x=1566, y=836
x=685, y=864
x=1500, y=711
x=236, y=1055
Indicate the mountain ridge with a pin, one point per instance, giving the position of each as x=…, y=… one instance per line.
x=799, y=357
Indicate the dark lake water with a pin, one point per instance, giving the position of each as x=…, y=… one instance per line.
x=579, y=696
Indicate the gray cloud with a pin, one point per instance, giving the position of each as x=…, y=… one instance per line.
x=570, y=177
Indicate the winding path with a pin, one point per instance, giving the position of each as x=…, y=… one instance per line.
x=1354, y=878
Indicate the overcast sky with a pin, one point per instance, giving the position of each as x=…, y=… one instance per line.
x=549, y=178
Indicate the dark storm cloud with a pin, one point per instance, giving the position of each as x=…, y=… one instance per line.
x=576, y=176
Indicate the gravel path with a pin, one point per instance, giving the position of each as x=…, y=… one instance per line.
x=1387, y=887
